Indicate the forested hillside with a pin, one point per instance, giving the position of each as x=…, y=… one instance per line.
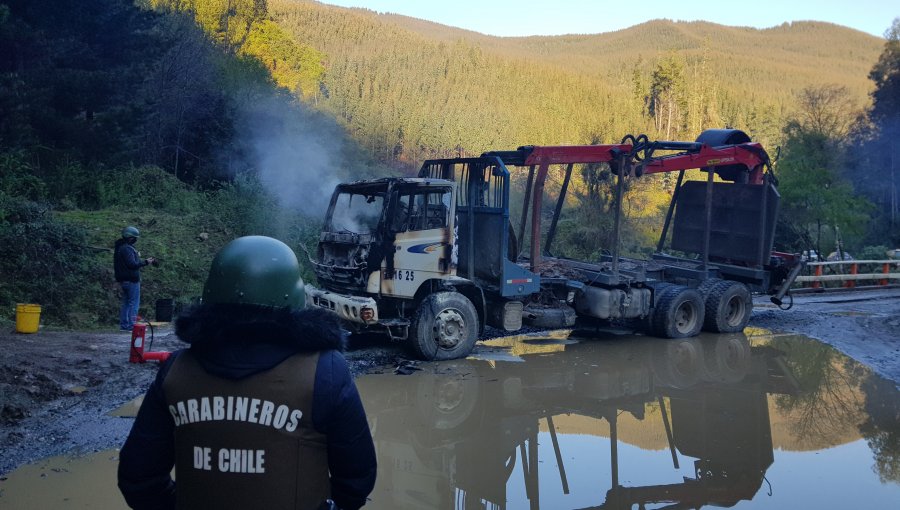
x=410, y=88
x=201, y=120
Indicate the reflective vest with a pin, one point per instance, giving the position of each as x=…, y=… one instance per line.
x=247, y=443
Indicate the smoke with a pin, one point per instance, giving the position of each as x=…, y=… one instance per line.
x=296, y=152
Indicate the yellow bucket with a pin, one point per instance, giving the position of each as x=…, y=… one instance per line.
x=27, y=318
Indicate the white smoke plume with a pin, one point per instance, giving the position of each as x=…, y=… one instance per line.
x=296, y=152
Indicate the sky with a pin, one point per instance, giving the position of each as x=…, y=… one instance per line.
x=555, y=17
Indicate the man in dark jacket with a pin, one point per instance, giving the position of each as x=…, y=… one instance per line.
x=261, y=410
x=127, y=263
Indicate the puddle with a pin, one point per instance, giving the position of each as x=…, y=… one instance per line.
x=718, y=420
x=64, y=482
x=128, y=409
x=853, y=313
x=624, y=422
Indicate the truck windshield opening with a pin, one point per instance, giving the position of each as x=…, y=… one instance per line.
x=356, y=212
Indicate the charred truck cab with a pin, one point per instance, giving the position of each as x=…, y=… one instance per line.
x=430, y=260
x=423, y=261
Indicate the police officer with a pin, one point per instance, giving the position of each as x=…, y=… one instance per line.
x=127, y=264
x=260, y=411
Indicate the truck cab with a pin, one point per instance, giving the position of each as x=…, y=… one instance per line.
x=426, y=259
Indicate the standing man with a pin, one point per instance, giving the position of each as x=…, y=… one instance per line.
x=127, y=263
x=260, y=411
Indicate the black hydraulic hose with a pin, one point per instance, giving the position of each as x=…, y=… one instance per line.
x=150, y=346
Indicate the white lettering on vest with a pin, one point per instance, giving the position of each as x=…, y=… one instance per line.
x=246, y=409
x=240, y=408
x=295, y=420
x=254, y=411
x=218, y=408
x=265, y=415
x=205, y=409
x=242, y=461
x=193, y=413
x=182, y=414
x=281, y=415
x=202, y=457
x=174, y=414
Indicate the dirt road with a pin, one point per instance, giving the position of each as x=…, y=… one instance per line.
x=57, y=388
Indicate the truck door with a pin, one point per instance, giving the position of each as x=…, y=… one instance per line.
x=423, y=244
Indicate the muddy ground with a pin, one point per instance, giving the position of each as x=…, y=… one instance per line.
x=57, y=388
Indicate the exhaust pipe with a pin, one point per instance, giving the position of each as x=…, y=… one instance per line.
x=786, y=284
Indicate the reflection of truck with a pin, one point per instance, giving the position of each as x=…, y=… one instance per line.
x=474, y=434
x=431, y=260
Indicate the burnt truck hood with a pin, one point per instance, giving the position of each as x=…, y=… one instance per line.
x=344, y=260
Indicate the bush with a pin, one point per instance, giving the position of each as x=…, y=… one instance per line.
x=17, y=178
x=147, y=187
x=43, y=260
x=874, y=253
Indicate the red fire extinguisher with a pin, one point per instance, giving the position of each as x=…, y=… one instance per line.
x=137, y=354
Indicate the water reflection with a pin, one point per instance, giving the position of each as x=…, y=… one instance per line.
x=766, y=421
x=617, y=424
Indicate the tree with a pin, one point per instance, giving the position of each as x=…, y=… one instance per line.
x=182, y=99
x=886, y=75
x=827, y=109
x=667, y=94
x=815, y=194
x=885, y=114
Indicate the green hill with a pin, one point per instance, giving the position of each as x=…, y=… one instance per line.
x=408, y=88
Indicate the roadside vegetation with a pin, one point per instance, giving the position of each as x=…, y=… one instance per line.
x=198, y=121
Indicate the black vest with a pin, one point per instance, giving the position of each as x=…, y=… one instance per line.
x=247, y=443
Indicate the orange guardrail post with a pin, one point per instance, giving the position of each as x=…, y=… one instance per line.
x=854, y=269
x=816, y=284
x=885, y=268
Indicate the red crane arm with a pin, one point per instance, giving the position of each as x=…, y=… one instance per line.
x=750, y=155
x=564, y=154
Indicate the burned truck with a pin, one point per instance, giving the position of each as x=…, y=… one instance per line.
x=431, y=260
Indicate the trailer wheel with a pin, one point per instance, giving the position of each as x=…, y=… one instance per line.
x=678, y=313
x=445, y=327
x=728, y=307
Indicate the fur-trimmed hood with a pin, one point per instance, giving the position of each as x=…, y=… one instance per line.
x=235, y=341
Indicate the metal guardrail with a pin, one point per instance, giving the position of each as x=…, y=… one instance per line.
x=889, y=271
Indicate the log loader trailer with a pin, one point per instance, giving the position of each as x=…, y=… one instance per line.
x=431, y=260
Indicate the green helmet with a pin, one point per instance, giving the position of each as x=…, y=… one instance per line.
x=255, y=270
x=130, y=232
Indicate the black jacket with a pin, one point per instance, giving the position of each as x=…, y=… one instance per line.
x=127, y=262
x=234, y=341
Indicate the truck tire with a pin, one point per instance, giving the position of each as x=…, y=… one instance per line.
x=678, y=313
x=445, y=327
x=707, y=285
x=728, y=307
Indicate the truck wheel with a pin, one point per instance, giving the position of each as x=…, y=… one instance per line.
x=728, y=307
x=707, y=285
x=678, y=313
x=445, y=327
